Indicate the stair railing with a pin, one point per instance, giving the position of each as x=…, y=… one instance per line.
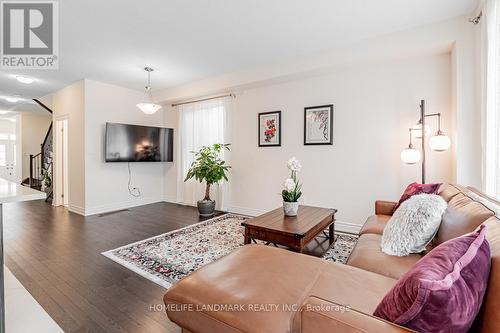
x=35, y=169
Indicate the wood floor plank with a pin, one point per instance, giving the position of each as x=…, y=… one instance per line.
x=56, y=255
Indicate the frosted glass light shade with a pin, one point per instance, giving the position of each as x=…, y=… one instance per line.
x=410, y=155
x=148, y=108
x=416, y=131
x=439, y=142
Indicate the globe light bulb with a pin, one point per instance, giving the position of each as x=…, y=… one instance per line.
x=410, y=155
x=439, y=142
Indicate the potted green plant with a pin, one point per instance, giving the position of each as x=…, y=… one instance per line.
x=292, y=189
x=208, y=166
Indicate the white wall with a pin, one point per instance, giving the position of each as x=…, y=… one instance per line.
x=170, y=177
x=456, y=35
x=376, y=86
x=34, y=127
x=94, y=185
x=374, y=106
x=106, y=183
x=69, y=102
x=467, y=105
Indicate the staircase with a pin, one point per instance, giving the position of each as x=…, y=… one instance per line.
x=41, y=164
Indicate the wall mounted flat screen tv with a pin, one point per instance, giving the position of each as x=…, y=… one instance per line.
x=134, y=143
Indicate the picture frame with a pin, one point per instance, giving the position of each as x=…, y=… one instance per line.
x=269, y=127
x=318, y=125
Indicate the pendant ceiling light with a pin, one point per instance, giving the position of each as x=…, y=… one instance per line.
x=147, y=106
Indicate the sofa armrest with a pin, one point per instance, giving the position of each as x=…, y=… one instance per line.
x=384, y=207
x=319, y=315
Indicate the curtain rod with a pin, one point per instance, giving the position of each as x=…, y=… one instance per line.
x=203, y=99
x=476, y=19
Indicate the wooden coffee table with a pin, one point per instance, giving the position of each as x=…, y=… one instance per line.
x=293, y=232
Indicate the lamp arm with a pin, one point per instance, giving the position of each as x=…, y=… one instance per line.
x=438, y=115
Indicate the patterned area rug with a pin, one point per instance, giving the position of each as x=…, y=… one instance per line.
x=167, y=258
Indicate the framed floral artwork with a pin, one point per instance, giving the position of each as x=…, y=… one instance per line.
x=270, y=129
x=318, y=125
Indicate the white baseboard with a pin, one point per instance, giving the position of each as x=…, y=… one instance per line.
x=76, y=209
x=348, y=227
x=341, y=226
x=245, y=211
x=170, y=199
x=113, y=206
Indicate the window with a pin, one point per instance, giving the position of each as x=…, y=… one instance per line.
x=200, y=124
x=3, y=155
x=491, y=39
x=7, y=136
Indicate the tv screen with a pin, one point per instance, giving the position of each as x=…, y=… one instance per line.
x=133, y=143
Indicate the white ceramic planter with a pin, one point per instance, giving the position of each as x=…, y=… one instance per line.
x=290, y=208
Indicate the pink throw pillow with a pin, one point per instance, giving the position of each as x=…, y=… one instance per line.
x=414, y=189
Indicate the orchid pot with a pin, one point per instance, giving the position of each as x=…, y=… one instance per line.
x=290, y=208
x=292, y=189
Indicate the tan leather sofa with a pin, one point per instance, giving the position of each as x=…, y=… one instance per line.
x=265, y=289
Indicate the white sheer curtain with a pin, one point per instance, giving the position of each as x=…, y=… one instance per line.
x=491, y=92
x=201, y=124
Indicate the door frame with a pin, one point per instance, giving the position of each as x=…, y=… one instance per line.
x=60, y=163
x=19, y=149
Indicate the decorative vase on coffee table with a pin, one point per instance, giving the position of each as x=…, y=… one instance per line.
x=290, y=208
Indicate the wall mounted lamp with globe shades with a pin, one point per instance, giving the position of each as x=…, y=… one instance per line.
x=147, y=105
x=439, y=142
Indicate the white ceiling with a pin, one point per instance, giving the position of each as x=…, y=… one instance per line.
x=188, y=40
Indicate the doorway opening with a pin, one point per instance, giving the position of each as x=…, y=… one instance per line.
x=8, y=149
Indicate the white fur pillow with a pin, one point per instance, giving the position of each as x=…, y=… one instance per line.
x=413, y=225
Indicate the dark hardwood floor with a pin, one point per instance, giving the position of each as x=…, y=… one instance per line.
x=56, y=255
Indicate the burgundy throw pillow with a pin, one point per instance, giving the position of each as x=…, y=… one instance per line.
x=414, y=189
x=443, y=292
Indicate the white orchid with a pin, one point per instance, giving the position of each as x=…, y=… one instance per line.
x=289, y=184
x=291, y=187
x=294, y=165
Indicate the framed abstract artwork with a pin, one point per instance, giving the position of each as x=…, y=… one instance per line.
x=270, y=129
x=318, y=125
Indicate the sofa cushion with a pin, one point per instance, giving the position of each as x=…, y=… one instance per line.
x=367, y=255
x=489, y=318
x=462, y=216
x=413, y=225
x=444, y=291
x=414, y=189
x=375, y=224
x=265, y=275
x=448, y=191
